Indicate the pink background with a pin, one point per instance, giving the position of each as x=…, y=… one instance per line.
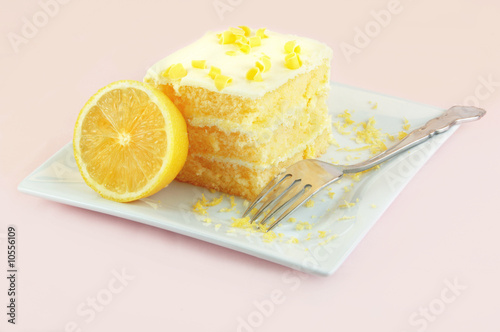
x=442, y=229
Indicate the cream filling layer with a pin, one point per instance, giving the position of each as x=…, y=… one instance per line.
x=256, y=166
x=259, y=130
x=250, y=129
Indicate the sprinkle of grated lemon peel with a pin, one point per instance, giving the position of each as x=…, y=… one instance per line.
x=309, y=203
x=406, y=125
x=327, y=240
x=233, y=205
x=269, y=236
x=346, y=218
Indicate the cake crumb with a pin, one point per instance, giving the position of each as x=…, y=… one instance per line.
x=309, y=203
x=303, y=225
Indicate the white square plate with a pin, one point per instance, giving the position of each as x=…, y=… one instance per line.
x=322, y=236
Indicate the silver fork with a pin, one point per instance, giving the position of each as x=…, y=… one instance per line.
x=292, y=187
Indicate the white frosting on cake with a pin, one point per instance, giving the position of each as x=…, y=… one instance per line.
x=208, y=48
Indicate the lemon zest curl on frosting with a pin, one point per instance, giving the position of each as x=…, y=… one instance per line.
x=264, y=63
x=247, y=30
x=242, y=38
x=245, y=48
x=221, y=81
x=227, y=37
x=237, y=31
x=254, y=75
x=261, y=33
x=292, y=46
x=292, y=58
x=261, y=66
x=214, y=71
x=200, y=64
x=293, y=61
x=255, y=41
x=174, y=72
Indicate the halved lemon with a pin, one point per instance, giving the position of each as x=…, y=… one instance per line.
x=130, y=141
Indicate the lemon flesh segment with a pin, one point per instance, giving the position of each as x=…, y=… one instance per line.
x=130, y=141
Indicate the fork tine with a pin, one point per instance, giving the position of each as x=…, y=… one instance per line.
x=290, y=196
x=267, y=189
x=298, y=201
x=275, y=195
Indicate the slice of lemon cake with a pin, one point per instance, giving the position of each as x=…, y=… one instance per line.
x=254, y=102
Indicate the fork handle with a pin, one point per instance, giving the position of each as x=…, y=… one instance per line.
x=453, y=116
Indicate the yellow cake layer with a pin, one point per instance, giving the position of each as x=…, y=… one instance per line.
x=241, y=180
x=255, y=117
